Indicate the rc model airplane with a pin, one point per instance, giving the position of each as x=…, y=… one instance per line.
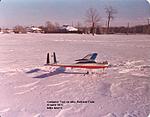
x=88, y=62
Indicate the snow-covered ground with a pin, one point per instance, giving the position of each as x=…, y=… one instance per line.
x=27, y=86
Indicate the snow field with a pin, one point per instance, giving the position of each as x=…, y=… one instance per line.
x=123, y=90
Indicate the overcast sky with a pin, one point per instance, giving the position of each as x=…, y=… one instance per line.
x=37, y=12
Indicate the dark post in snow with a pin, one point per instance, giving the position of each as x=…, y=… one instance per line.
x=128, y=28
x=148, y=27
x=54, y=55
x=148, y=20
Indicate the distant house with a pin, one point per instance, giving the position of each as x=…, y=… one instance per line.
x=68, y=28
x=34, y=29
x=6, y=31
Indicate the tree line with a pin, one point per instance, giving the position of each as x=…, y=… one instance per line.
x=139, y=29
x=92, y=20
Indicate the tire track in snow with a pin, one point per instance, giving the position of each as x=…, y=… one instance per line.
x=4, y=110
x=26, y=91
x=71, y=110
x=37, y=115
x=58, y=84
x=27, y=85
x=63, y=112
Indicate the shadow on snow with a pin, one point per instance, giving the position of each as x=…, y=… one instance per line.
x=33, y=70
x=57, y=71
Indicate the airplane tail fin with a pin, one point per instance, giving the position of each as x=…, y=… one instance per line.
x=54, y=58
x=47, y=60
x=90, y=57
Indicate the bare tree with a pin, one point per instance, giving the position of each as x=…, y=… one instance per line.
x=92, y=17
x=57, y=25
x=19, y=29
x=50, y=27
x=78, y=26
x=110, y=11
